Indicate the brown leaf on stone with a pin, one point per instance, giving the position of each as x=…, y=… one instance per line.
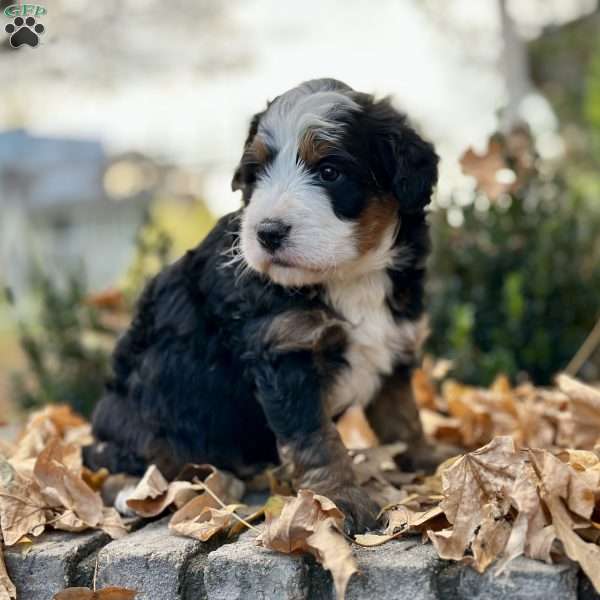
x=23, y=510
x=335, y=554
x=312, y=523
x=153, y=495
x=7, y=588
x=206, y=523
x=112, y=524
x=83, y=593
x=62, y=485
x=402, y=518
x=480, y=478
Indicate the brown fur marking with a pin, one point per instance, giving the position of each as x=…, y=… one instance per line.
x=305, y=330
x=311, y=149
x=373, y=222
x=257, y=151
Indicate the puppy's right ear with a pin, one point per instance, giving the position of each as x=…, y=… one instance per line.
x=238, y=183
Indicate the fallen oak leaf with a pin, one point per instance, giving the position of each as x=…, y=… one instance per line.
x=312, y=523
x=84, y=593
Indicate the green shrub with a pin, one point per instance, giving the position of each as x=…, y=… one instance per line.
x=516, y=288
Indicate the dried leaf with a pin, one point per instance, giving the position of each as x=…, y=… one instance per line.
x=584, y=553
x=43, y=425
x=112, y=524
x=403, y=519
x=423, y=390
x=334, y=553
x=585, y=409
x=370, y=540
x=490, y=541
x=480, y=478
x=95, y=479
x=354, y=429
x=23, y=510
x=7, y=588
x=312, y=523
x=64, y=486
x=154, y=494
x=82, y=593
x=204, y=524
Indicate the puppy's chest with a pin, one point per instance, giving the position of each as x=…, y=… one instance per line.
x=376, y=342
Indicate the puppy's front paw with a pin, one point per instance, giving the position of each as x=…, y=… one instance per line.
x=359, y=509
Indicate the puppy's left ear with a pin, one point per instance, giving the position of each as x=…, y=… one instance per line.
x=237, y=182
x=410, y=163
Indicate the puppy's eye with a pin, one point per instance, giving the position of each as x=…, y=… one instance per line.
x=328, y=173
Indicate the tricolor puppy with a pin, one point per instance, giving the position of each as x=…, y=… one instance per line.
x=304, y=302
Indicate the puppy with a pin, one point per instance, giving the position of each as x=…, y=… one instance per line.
x=305, y=301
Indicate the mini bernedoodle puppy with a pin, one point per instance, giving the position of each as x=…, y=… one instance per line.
x=305, y=301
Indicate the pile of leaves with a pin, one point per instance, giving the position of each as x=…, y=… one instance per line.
x=567, y=416
x=524, y=492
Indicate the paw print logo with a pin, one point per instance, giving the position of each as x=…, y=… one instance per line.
x=24, y=31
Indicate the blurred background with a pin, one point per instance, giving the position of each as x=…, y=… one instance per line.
x=120, y=131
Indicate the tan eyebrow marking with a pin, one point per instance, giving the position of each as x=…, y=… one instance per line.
x=312, y=148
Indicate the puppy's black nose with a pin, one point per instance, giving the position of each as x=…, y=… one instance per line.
x=271, y=234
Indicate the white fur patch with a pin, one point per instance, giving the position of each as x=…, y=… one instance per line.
x=376, y=341
x=121, y=501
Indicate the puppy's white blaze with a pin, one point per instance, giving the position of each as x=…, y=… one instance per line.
x=297, y=110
